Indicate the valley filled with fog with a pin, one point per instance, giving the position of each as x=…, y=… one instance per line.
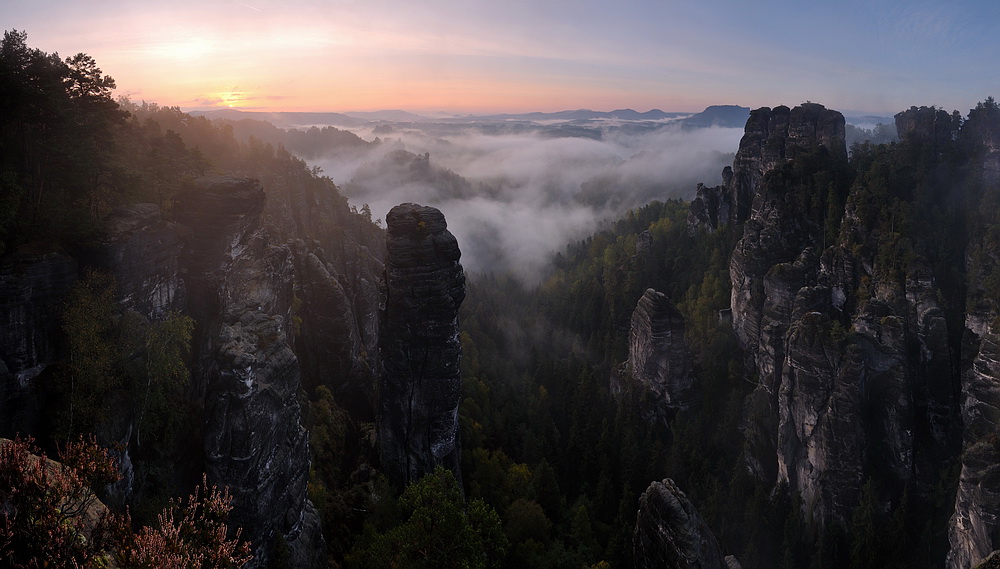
x=515, y=193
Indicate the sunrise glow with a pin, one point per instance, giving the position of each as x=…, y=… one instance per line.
x=480, y=56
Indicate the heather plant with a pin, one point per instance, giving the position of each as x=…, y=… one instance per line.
x=50, y=517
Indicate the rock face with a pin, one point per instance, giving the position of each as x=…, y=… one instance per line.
x=659, y=366
x=711, y=207
x=935, y=126
x=771, y=138
x=973, y=526
x=34, y=283
x=338, y=268
x=821, y=437
x=142, y=252
x=853, y=358
x=670, y=534
x=420, y=386
x=338, y=327
x=277, y=309
x=240, y=295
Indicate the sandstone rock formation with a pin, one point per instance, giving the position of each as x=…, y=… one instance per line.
x=991, y=562
x=420, y=387
x=771, y=138
x=973, y=526
x=338, y=267
x=975, y=523
x=34, y=283
x=142, y=251
x=337, y=319
x=670, y=534
x=827, y=328
x=821, y=436
x=240, y=293
x=259, y=303
x=660, y=368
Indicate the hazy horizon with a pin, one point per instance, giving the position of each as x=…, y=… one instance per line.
x=485, y=57
x=445, y=113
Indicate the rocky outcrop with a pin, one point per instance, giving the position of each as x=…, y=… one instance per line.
x=337, y=256
x=972, y=530
x=337, y=328
x=420, y=386
x=142, y=251
x=670, y=534
x=850, y=348
x=256, y=305
x=660, y=368
x=771, y=138
x=711, y=207
x=991, y=562
x=774, y=274
x=34, y=283
x=240, y=289
x=821, y=436
x=974, y=527
x=927, y=124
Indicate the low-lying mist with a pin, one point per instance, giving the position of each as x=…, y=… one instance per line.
x=514, y=199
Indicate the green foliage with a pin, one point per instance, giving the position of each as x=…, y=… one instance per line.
x=526, y=520
x=112, y=353
x=11, y=195
x=56, y=138
x=879, y=134
x=341, y=500
x=535, y=364
x=166, y=345
x=95, y=354
x=122, y=365
x=865, y=548
x=437, y=530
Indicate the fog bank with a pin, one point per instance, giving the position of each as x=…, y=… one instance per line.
x=515, y=197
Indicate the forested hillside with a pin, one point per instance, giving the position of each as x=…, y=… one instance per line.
x=880, y=261
x=808, y=351
x=141, y=261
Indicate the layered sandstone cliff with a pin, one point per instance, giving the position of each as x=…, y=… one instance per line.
x=851, y=351
x=659, y=373
x=420, y=386
x=240, y=294
x=670, y=534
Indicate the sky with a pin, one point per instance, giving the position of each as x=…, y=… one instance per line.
x=477, y=56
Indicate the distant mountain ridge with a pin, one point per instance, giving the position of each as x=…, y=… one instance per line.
x=584, y=114
x=285, y=119
x=716, y=115
x=728, y=116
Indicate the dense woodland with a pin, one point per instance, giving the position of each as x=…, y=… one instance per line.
x=552, y=464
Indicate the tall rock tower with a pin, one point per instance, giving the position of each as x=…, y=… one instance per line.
x=420, y=386
x=240, y=293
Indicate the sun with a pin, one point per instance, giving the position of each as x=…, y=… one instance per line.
x=232, y=98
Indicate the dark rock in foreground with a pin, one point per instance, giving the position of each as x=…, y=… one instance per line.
x=34, y=284
x=660, y=369
x=670, y=534
x=240, y=293
x=420, y=387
